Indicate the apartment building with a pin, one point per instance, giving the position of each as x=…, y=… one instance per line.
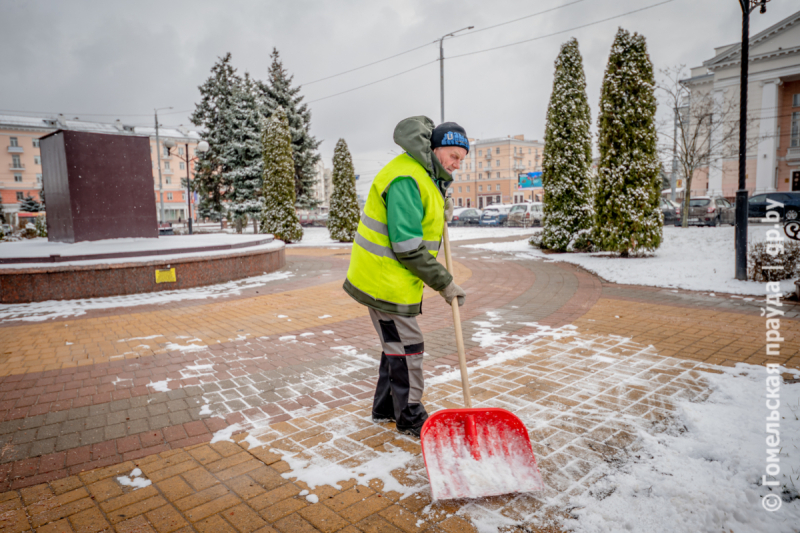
x=21, y=168
x=773, y=155
x=490, y=173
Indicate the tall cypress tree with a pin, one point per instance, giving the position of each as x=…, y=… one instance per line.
x=627, y=216
x=215, y=117
x=567, y=157
x=278, y=92
x=242, y=156
x=344, y=213
x=280, y=217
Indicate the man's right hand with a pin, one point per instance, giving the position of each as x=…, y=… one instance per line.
x=453, y=291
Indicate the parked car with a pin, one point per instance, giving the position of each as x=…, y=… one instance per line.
x=708, y=211
x=757, y=205
x=466, y=216
x=669, y=210
x=495, y=215
x=166, y=229
x=525, y=215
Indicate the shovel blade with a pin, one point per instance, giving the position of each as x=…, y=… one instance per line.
x=471, y=453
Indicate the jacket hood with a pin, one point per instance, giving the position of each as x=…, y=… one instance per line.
x=414, y=136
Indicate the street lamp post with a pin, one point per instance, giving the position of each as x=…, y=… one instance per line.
x=441, y=65
x=741, y=195
x=202, y=147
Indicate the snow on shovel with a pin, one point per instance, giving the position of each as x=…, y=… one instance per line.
x=471, y=453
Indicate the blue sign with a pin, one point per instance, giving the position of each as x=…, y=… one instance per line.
x=357, y=175
x=531, y=180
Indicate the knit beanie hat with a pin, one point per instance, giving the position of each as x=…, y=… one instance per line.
x=449, y=134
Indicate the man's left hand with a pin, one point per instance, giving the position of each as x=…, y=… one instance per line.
x=449, y=205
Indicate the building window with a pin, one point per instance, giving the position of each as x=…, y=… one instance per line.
x=15, y=163
x=36, y=143
x=497, y=187
x=38, y=178
x=169, y=180
x=166, y=151
x=480, y=153
x=497, y=150
x=497, y=162
x=183, y=196
x=480, y=176
x=459, y=203
x=459, y=189
x=37, y=160
x=480, y=164
x=796, y=100
x=480, y=188
x=497, y=199
x=515, y=149
x=19, y=196
x=169, y=196
x=18, y=178
x=795, y=137
x=467, y=188
x=498, y=177
x=13, y=141
x=183, y=166
x=166, y=165
x=180, y=150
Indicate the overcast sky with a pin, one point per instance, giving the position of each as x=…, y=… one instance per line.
x=122, y=59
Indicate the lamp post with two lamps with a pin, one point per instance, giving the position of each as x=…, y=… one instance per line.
x=202, y=147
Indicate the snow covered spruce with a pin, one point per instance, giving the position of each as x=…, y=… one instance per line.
x=567, y=157
x=280, y=217
x=628, y=218
x=343, y=217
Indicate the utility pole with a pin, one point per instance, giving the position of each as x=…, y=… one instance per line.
x=441, y=66
x=741, y=195
x=158, y=163
x=672, y=179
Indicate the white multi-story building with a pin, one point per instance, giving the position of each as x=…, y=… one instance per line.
x=773, y=156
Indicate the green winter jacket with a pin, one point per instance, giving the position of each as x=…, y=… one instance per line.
x=404, y=217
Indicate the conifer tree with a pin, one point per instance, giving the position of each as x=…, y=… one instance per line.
x=344, y=213
x=215, y=117
x=241, y=156
x=627, y=214
x=567, y=157
x=29, y=205
x=278, y=92
x=280, y=217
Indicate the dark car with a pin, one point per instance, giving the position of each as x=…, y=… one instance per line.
x=708, y=211
x=790, y=210
x=669, y=210
x=465, y=216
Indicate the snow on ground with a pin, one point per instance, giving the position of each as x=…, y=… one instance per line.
x=705, y=472
x=40, y=311
x=700, y=259
x=42, y=248
x=320, y=237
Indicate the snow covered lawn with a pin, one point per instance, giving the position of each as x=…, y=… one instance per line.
x=700, y=259
x=320, y=237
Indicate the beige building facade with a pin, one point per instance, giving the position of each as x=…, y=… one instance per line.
x=21, y=168
x=490, y=173
x=773, y=155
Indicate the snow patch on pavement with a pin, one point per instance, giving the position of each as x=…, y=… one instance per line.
x=136, y=480
x=40, y=311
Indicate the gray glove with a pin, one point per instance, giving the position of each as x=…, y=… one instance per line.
x=449, y=205
x=453, y=291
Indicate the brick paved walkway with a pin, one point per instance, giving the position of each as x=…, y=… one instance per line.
x=85, y=399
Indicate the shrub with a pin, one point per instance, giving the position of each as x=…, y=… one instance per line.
x=761, y=265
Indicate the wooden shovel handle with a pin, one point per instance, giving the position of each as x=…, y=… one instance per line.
x=462, y=356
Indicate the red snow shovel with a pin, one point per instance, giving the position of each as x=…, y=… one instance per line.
x=471, y=453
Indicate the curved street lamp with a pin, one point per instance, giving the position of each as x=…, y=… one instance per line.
x=441, y=63
x=202, y=147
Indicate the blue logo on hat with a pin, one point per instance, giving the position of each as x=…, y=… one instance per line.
x=453, y=138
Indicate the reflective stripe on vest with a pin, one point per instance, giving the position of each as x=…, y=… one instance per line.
x=374, y=268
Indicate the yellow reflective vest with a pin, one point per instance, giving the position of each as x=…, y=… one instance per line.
x=376, y=278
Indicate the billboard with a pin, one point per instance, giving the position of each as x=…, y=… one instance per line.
x=531, y=180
